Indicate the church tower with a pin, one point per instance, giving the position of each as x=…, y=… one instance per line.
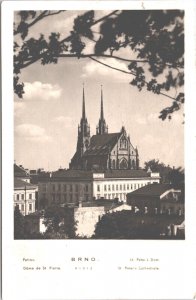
x=77, y=161
x=83, y=130
x=101, y=127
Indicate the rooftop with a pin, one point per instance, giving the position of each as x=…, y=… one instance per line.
x=101, y=144
x=21, y=184
x=154, y=189
x=19, y=171
x=88, y=175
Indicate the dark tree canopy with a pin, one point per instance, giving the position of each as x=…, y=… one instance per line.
x=19, y=224
x=59, y=222
x=154, y=40
x=168, y=174
x=130, y=225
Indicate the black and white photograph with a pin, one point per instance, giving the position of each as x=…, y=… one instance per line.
x=99, y=124
x=98, y=150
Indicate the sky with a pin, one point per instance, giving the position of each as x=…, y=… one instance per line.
x=46, y=119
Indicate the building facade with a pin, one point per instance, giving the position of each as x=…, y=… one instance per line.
x=25, y=193
x=158, y=198
x=73, y=186
x=24, y=196
x=103, y=151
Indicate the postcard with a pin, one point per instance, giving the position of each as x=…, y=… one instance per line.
x=98, y=150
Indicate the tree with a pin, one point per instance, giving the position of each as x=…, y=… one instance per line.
x=168, y=174
x=130, y=225
x=60, y=222
x=19, y=228
x=154, y=41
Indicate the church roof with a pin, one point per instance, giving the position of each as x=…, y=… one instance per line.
x=100, y=144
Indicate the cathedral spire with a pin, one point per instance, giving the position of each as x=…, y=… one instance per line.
x=83, y=105
x=101, y=115
x=102, y=128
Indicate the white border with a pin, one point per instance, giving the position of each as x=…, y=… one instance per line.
x=176, y=278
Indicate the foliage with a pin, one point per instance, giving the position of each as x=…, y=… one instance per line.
x=168, y=174
x=154, y=40
x=130, y=225
x=19, y=228
x=60, y=222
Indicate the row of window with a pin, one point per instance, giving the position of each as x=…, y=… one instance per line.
x=64, y=198
x=121, y=187
x=67, y=187
x=29, y=207
x=22, y=197
x=120, y=196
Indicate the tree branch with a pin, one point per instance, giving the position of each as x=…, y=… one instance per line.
x=41, y=16
x=126, y=72
x=84, y=56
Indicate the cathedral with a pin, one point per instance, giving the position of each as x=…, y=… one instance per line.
x=103, y=151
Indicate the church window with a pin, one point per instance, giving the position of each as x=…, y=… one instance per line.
x=105, y=187
x=133, y=164
x=98, y=188
x=86, y=143
x=113, y=164
x=123, y=143
x=123, y=164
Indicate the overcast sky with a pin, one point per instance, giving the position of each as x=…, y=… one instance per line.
x=46, y=119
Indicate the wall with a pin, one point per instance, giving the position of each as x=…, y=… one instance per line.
x=87, y=218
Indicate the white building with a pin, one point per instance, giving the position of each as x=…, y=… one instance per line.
x=24, y=196
x=72, y=186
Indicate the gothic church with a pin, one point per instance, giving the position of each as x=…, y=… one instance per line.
x=103, y=151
